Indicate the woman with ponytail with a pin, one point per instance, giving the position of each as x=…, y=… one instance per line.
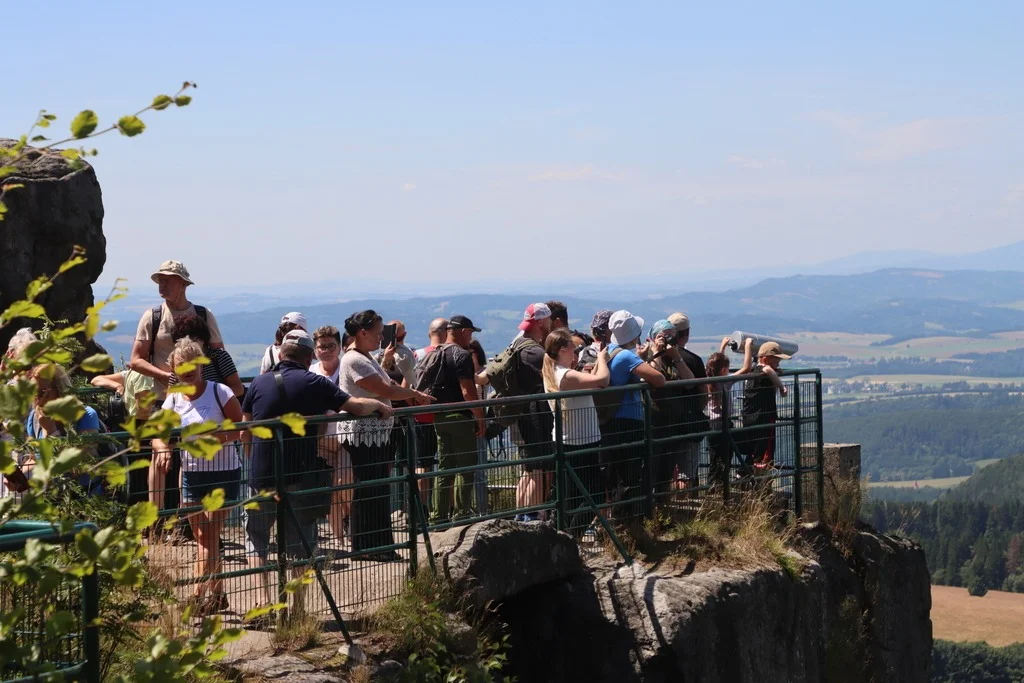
x=580, y=427
x=368, y=440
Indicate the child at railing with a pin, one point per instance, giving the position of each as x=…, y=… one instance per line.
x=719, y=407
x=760, y=407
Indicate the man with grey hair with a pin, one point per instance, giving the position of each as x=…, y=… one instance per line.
x=695, y=400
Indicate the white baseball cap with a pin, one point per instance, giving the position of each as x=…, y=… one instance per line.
x=295, y=318
x=298, y=338
x=625, y=327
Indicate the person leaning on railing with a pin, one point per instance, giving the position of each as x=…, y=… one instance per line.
x=670, y=407
x=368, y=441
x=213, y=402
x=580, y=427
x=291, y=388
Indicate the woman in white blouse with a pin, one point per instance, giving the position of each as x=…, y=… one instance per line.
x=367, y=440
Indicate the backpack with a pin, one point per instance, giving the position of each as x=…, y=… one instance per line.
x=156, y=313
x=608, y=403
x=430, y=371
x=503, y=376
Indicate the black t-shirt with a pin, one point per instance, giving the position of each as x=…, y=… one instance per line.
x=695, y=363
x=528, y=372
x=458, y=365
x=759, y=401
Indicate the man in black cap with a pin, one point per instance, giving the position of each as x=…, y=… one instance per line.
x=457, y=429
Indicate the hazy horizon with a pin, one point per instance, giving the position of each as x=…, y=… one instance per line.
x=466, y=142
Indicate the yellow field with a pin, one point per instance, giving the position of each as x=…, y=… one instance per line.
x=860, y=345
x=996, y=618
x=944, y=483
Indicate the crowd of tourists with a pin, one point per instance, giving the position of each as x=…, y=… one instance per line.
x=365, y=369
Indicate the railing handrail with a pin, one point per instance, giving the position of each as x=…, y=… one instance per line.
x=512, y=400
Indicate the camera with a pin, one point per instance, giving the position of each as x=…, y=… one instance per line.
x=587, y=356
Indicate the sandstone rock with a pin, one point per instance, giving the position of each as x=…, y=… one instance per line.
x=285, y=669
x=56, y=209
x=491, y=561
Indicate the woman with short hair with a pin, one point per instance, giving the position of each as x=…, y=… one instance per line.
x=208, y=402
x=328, y=350
x=368, y=440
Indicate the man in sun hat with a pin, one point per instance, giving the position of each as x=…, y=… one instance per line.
x=153, y=340
x=622, y=418
x=760, y=407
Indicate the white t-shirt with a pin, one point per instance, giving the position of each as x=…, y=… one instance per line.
x=204, y=408
x=270, y=358
x=580, y=425
x=316, y=367
x=367, y=430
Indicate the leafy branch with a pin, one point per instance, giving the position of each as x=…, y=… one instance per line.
x=83, y=127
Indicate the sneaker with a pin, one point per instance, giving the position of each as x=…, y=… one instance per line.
x=590, y=535
x=531, y=517
x=519, y=518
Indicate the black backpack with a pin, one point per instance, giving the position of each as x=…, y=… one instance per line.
x=430, y=371
x=156, y=313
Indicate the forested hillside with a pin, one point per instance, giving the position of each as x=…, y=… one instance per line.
x=929, y=437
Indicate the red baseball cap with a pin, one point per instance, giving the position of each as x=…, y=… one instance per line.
x=533, y=313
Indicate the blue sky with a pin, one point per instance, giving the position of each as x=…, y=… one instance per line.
x=463, y=141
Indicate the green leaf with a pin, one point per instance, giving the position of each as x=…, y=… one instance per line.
x=141, y=516
x=39, y=138
x=198, y=428
x=49, y=117
x=130, y=126
x=3, y=210
x=7, y=170
x=70, y=154
x=161, y=102
x=205, y=447
x=214, y=500
x=37, y=287
x=84, y=124
x=295, y=422
x=182, y=100
x=87, y=545
x=21, y=309
x=186, y=389
x=77, y=258
x=59, y=624
x=96, y=363
x=69, y=459
x=66, y=409
x=261, y=432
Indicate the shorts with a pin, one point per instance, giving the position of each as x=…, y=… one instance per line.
x=197, y=484
x=261, y=519
x=426, y=447
x=535, y=429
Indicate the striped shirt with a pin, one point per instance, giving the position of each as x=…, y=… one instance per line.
x=220, y=367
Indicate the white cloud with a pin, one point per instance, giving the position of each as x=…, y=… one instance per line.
x=755, y=164
x=563, y=174
x=580, y=173
x=896, y=142
x=408, y=187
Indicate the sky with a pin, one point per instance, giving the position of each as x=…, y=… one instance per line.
x=441, y=142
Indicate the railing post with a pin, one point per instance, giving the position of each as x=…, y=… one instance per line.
x=560, y=488
x=798, y=483
x=819, y=455
x=91, y=626
x=647, y=473
x=280, y=523
x=727, y=449
x=412, y=498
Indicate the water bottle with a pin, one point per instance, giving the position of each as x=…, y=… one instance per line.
x=738, y=339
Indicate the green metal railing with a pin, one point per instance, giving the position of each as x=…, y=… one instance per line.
x=73, y=656
x=673, y=456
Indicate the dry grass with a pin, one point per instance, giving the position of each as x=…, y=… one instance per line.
x=996, y=618
x=747, y=533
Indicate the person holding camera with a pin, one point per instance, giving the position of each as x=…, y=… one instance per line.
x=671, y=405
x=580, y=427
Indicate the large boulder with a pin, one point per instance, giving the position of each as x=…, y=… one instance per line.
x=494, y=560
x=57, y=209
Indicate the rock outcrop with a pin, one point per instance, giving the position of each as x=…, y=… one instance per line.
x=857, y=615
x=57, y=208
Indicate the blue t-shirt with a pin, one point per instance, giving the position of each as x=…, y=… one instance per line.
x=621, y=370
x=88, y=422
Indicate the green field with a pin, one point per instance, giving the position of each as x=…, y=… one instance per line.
x=944, y=483
x=859, y=346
